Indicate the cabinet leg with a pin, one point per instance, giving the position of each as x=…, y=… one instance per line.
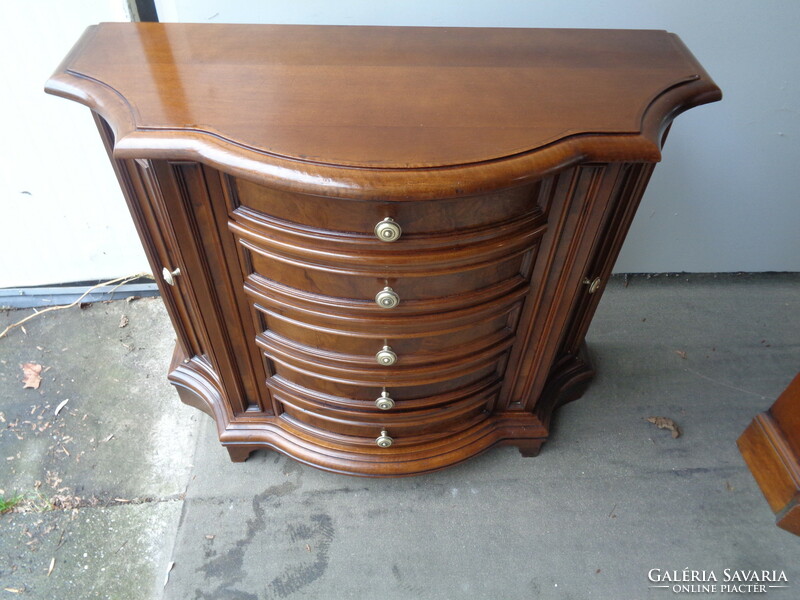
x=529, y=448
x=240, y=453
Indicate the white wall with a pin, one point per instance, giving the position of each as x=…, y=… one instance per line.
x=63, y=216
x=725, y=197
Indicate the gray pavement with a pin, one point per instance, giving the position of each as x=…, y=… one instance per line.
x=126, y=483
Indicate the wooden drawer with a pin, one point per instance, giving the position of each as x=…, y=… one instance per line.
x=360, y=217
x=362, y=288
x=362, y=318
x=405, y=344
x=434, y=267
x=429, y=367
x=365, y=385
x=437, y=414
x=404, y=444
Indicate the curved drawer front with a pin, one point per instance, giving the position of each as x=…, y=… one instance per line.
x=362, y=288
x=438, y=414
x=425, y=274
x=313, y=324
x=407, y=344
x=364, y=370
x=360, y=217
x=365, y=385
x=402, y=445
x=404, y=402
x=300, y=243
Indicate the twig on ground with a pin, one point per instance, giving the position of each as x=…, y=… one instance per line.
x=119, y=280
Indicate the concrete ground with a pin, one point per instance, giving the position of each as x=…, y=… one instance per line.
x=125, y=485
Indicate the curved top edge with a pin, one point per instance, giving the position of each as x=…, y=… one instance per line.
x=308, y=176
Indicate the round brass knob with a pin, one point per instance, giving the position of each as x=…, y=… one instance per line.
x=384, y=441
x=386, y=357
x=384, y=402
x=594, y=284
x=387, y=298
x=169, y=276
x=388, y=230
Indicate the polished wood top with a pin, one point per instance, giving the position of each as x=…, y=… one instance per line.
x=382, y=97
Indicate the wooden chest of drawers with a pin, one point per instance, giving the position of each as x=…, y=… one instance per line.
x=381, y=248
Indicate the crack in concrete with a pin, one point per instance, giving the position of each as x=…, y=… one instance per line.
x=63, y=502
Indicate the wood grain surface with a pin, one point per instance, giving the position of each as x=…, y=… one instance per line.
x=296, y=105
x=771, y=447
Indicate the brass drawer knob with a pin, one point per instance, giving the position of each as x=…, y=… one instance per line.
x=169, y=276
x=594, y=284
x=384, y=402
x=387, y=298
x=384, y=441
x=386, y=357
x=388, y=230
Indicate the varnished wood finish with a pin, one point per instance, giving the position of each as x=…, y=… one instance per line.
x=771, y=447
x=258, y=159
x=198, y=92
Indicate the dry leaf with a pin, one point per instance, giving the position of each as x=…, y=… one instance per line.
x=681, y=353
x=61, y=405
x=52, y=564
x=31, y=375
x=665, y=423
x=123, y=321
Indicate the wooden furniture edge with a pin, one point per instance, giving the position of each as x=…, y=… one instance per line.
x=197, y=387
x=214, y=149
x=775, y=468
